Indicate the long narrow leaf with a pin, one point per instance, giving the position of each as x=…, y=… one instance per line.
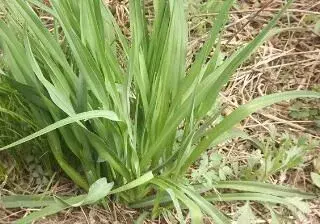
x=241, y=113
x=78, y=117
x=97, y=191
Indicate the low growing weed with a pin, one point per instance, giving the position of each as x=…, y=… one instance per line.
x=277, y=154
x=112, y=109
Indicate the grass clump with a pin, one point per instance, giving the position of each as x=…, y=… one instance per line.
x=126, y=117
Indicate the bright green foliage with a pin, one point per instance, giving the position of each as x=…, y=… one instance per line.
x=113, y=108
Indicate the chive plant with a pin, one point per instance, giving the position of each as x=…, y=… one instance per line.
x=111, y=106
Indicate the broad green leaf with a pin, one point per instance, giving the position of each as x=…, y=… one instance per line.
x=242, y=112
x=246, y=215
x=264, y=188
x=176, y=205
x=298, y=203
x=274, y=217
x=26, y=201
x=315, y=179
x=42, y=33
x=42, y=6
x=261, y=198
x=208, y=89
x=137, y=182
x=225, y=197
x=196, y=214
x=54, y=144
x=97, y=191
x=58, y=98
x=141, y=218
x=78, y=117
x=208, y=208
x=317, y=27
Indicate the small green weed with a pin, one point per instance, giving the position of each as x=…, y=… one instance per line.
x=303, y=110
x=211, y=168
x=306, y=110
x=277, y=154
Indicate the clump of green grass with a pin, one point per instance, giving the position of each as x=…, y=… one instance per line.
x=15, y=122
x=125, y=117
